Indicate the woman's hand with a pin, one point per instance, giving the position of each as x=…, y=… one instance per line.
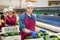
x=6, y=25
x=43, y=31
x=30, y=32
x=33, y=34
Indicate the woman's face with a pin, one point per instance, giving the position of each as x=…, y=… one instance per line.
x=5, y=13
x=10, y=13
x=29, y=9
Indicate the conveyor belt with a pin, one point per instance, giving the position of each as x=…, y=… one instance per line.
x=48, y=26
x=50, y=32
x=47, y=29
x=52, y=20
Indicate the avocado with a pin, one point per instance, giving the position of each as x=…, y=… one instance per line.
x=29, y=37
x=5, y=35
x=16, y=33
x=39, y=34
x=10, y=34
x=46, y=33
x=59, y=39
x=45, y=37
x=54, y=37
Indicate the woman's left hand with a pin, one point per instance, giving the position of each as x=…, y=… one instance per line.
x=43, y=31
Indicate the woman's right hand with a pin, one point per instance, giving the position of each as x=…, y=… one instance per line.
x=30, y=32
x=33, y=34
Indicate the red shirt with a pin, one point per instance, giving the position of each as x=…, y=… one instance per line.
x=11, y=20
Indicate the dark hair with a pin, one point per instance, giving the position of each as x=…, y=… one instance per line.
x=1, y=13
x=2, y=17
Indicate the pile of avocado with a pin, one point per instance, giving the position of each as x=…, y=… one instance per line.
x=38, y=36
x=45, y=36
x=54, y=37
x=10, y=34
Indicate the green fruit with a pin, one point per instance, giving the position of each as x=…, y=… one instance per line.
x=39, y=35
x=10, y=34
x=59, y=39
x=46, y=33
x=54, y=37
x=5, y=35
x=16, y=33
x=45, y=37
x=29, y=37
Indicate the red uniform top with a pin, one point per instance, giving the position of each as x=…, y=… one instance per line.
x=11, y=20
x=29, y=24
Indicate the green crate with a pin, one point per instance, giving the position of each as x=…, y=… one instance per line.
x=38, y=13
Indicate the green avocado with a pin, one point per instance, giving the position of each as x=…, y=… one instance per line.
x=54, y=37
x=10, y=34
x=16, y=33
x=46, y=36
x=5, y=35
x=29, y=37
x=46, y=33
x=39, y=35
x=59, y=39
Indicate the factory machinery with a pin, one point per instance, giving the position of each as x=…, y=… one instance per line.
x=48, y=18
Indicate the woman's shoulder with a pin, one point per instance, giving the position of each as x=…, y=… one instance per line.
x=22, y=16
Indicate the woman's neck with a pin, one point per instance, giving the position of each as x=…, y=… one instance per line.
x=10, y=15
x=29, y=14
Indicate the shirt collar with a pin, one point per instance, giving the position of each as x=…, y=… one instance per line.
x=28, y=16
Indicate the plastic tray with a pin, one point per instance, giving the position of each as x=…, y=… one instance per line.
x=36, y=39
x=11, y=38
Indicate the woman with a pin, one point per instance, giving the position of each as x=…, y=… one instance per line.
x=11, y=19
x=27, y=23
x=5, y=14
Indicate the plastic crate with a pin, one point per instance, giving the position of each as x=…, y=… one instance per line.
x=36, y=39
x=11, y=38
